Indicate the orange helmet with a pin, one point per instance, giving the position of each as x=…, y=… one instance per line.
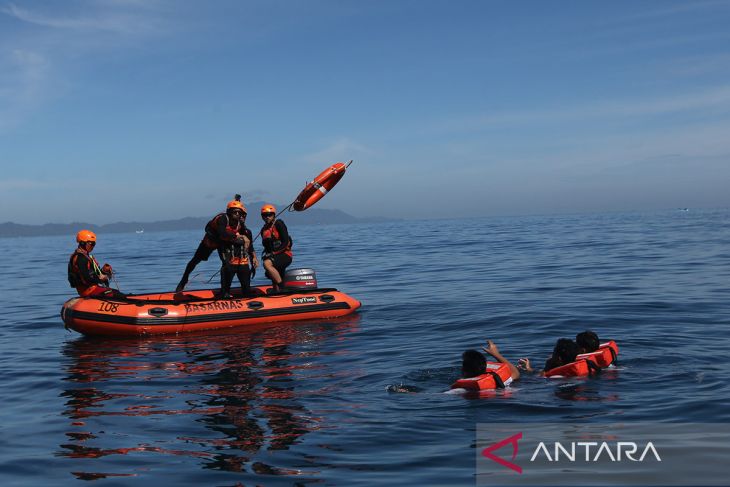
x=268, y=209
x=235, y=204
x=85, y=236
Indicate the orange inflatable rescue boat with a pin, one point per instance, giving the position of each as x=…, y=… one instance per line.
x=161, y=313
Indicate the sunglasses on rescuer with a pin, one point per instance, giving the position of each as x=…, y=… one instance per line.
x=266, y=215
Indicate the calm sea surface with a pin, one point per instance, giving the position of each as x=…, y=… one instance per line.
x=359, y=400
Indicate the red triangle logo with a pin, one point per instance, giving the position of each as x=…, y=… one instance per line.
x=487, y=452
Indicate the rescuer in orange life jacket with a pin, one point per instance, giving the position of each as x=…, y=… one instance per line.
x=277, y=246
x=236, y=257
x=224, y=229
x=84, y=272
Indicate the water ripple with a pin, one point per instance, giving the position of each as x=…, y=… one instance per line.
x=360, y=400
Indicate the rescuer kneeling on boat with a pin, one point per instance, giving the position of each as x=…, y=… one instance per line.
x=84, y=272
x=222, y=230
x=236, y=257
x=277, y=246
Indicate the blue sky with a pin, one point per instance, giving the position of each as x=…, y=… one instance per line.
x=158, y=109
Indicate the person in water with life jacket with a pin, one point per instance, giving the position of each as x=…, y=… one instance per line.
x=564, y=353
x=277, y=243
x=587, y=342
x=236, y=256
x=221, y=230
x=474, y=364
x=84, y=272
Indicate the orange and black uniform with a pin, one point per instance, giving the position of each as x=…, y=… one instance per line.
x=84, y=273
x=236, y=258
x=277, y=245
x=218, y=231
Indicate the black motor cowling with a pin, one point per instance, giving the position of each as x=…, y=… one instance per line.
x=300, y=279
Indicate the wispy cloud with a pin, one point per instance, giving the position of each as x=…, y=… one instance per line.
x=22, y=84
x=683, y=8
x=342, y=149
x=97, y=17
x=715, y=100
x=658, y=27
x=22, y=184
x=35, y=52
x=699, y=65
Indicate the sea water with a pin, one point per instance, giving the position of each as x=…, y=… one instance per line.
x=359, y=400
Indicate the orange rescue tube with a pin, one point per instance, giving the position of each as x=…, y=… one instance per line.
x=321, y=185
x=497, y=377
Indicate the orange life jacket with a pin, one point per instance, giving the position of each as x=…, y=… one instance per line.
x=272, y=233
x=212, y=238
x=498, y=376
x=236, y=255
x=580, y=368
x=604, y=356
x=78, y=279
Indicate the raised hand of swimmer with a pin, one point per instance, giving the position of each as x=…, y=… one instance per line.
x=524, y=364
x=491, y=349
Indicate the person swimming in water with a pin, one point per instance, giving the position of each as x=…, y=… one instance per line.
x=564, y=352
x=587, y=341
x=474, y=364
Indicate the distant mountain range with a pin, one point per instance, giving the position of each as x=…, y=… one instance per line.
x=312, y=216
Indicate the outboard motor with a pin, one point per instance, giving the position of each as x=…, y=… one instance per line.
x=300, y=279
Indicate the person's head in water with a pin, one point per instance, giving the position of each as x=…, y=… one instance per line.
x=587, y=341
x=564, y=353
x=473, y=364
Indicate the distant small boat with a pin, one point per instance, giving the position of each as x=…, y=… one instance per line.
x=139, y=231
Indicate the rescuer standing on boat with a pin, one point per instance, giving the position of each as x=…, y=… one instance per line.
x=84, y=272
x=277, y=246
x=236, y=257
x=224, y=228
